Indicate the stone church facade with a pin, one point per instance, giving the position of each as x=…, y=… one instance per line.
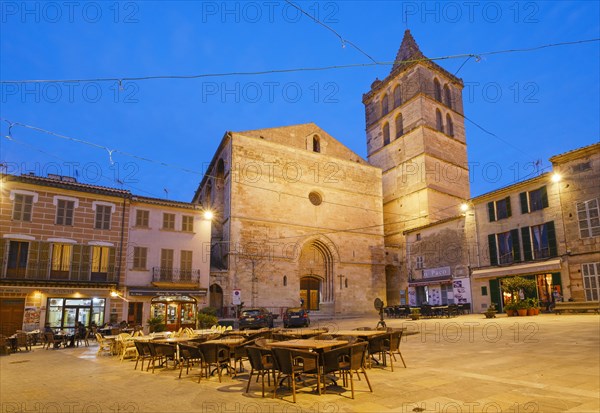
x=301, y=218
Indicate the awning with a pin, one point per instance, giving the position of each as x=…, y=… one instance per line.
x=519, y=269
x=150, y=292
x=421, y=282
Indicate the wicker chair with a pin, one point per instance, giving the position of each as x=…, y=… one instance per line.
x=190, y=355
x=261, y=362
x=290, y=363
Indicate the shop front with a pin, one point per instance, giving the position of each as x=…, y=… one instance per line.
x=175, y=308
x=32, y=307
x=178, y=311
x=547, y=277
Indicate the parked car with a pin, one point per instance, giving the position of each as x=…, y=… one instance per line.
x=296, y=317
x=255, y=318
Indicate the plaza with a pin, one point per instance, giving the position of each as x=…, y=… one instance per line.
x=545, y=363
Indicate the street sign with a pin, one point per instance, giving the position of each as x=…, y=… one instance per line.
x=236, y=297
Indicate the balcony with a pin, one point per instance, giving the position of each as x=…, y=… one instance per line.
x=45, y=272
x=175, y=277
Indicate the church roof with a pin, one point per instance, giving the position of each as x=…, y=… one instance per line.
x=409, y=54
x=408, y=51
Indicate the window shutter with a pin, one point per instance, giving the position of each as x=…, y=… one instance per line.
x=76, y=263
x=508, y=209
x=545, y=196
x=493, y=249
x=514, y=234
x=526, y=237
x=112, y=265
x=551, y=239
x=524, y=205
x=491, y=211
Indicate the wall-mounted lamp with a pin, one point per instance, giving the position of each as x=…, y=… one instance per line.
x=556, y=177
x=117, y=294
x=208, y=215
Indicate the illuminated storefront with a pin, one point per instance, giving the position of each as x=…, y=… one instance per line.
x=178, y=311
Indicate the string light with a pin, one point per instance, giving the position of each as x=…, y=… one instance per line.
x=477, y=56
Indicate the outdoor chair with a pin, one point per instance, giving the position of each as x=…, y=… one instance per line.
x=189, y=355
x=349, y=339
x=356, y=364
x=85, y=339
x=143, y=353
x=262, y=342
x=291, y=363
x=23, y=341
x=164, y=352
x=104, y=346
x=261, y=362
x=126, y=347
x=391, y=346
x=323, y=337
x=217, y=356
x=239, y=354
x=376, y=345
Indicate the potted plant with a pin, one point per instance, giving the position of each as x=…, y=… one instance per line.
x=156, y=324
x=491, y=311
x=522, y=307
x=534, y=306
x=207, y=317
x=510, y=309
x=415, y=313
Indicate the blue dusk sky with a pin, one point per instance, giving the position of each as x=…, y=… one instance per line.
x=528, y=105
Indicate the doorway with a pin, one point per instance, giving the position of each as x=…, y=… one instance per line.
x=11, y=315
x=310, y=292
x=216, y=298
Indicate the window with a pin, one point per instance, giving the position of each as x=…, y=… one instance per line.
x=418, y=236
x=22, y=207
x=187, y=223
x=534, y=200
x=142, y=218
x=397, y=96
x=448, y=96
x=103, y=215
x=100, y=258
x=591, y=280
x=437, y=90
x=449, y=125
x=386, y=133
x=399, y=126
x=61, y=261
x=589, y=221
x=316, y=144
x=384, y=105
x=439, y=123
x=581, y=167
x=420, y=263
x=140, y=256
x=186, y=265
x=539, y=241
x=166, y=264
x=64, y=212
x=484, y=290
x=499, y=209
x=504, y=248
x=17, y=259
x=168, y=221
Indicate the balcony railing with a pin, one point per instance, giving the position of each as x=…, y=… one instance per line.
x=175, y=275
x=43, y=271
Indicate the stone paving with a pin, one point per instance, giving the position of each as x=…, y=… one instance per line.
x=546, y=363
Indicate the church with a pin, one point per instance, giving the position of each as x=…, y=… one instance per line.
x=301, y=219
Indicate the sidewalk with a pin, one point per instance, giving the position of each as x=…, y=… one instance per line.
x=546, y=363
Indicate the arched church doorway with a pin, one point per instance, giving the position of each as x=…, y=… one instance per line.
x=316, y=271
x=310, y=292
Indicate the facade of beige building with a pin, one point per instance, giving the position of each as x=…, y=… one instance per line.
x=579, y=193
x=297, y=219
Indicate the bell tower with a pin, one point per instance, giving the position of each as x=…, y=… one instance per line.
x=416, y=135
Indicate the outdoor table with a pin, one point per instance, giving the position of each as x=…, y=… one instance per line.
x=439, y=310
x=364, y=334
x=304, y=332
x=308, y=344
